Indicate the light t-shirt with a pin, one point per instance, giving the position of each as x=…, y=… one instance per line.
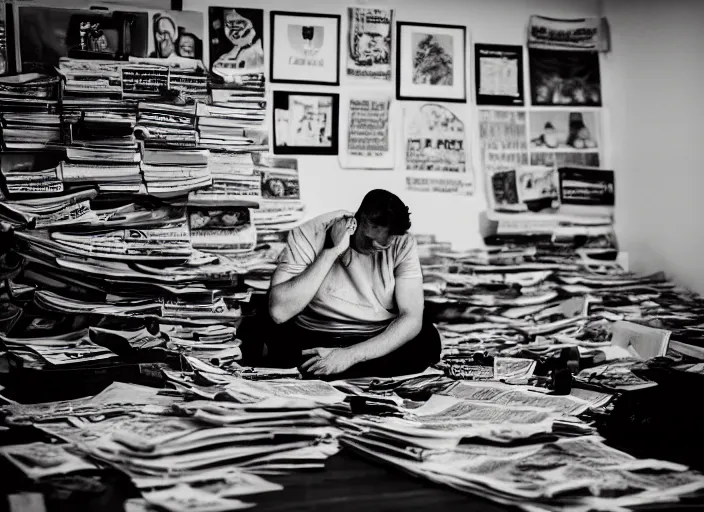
x=355, y=298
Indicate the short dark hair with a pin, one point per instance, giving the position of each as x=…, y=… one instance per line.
x=382, y=208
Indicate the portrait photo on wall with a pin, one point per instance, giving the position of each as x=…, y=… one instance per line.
x=305, y=123
x=305, y=48
x=564, y=77
x=369, y=43
x=430, y=62
x=176, y=34
x=236, y=41
x=498, y=75
x=48, y=33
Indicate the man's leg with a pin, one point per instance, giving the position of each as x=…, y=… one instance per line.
x=412, y=357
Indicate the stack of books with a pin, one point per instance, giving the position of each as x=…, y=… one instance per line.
x=167, y=125
x=29, y=92
x=97, y=78
x=173, y=173
x=232, y=129
x=30, y=131
x=234, y=183
x=281, y=208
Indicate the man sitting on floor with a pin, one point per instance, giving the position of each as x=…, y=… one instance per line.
x=347, y=295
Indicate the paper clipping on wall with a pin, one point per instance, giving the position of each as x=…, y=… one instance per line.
x=365, y=131
x=435, y=146
x=587, y=34
x=503, y=140
x=369, y=44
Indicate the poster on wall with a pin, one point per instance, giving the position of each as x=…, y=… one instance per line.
x=305, y=48
x=503, y=139
x=560, y=138
x=564, y=77
x=499, y=74
x=586, y=191
x=586, y=34
x=430, y=62
x=436, y=148
x=305, y=123
x=369, y=42
x=523, y=189
x=236, y=42
x=48, y=33
x=365, y=131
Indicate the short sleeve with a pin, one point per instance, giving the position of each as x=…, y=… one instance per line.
x=407, y=262
x=299, y=252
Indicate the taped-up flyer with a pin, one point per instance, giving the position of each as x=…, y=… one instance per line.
x=365, y=131
x=369, y=44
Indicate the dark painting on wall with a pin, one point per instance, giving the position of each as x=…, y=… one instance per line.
x=236, y=40
x=46, y=34
x=563, y=77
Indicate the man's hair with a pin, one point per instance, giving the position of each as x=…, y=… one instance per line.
x=382, y=208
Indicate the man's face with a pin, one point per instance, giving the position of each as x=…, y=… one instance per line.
x=370, y=238
x=237, y=27
x=371, y=47
x=187, y=47
x=165, y=37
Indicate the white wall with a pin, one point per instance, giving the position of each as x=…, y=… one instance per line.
x=325, y=186
x=654, y=84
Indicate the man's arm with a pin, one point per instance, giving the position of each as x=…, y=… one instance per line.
x=289, y=295
x=405, y=327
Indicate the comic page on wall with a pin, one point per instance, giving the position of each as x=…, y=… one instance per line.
x=436, y=140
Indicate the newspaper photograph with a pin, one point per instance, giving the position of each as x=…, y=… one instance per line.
x=280, y=184
x=564, y=78
x=222, y=230
x=369, y=42
x=365, y=131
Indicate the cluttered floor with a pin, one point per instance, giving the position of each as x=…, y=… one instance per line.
x=566, y=383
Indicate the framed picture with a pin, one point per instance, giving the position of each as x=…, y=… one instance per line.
x=431, y=62
x=236, y=41
x=564, y=78
x=305, y=48
x=305, y=123
x=498, y=74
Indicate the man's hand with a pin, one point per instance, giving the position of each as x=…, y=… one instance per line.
x=340, y=233
x=327, y=361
